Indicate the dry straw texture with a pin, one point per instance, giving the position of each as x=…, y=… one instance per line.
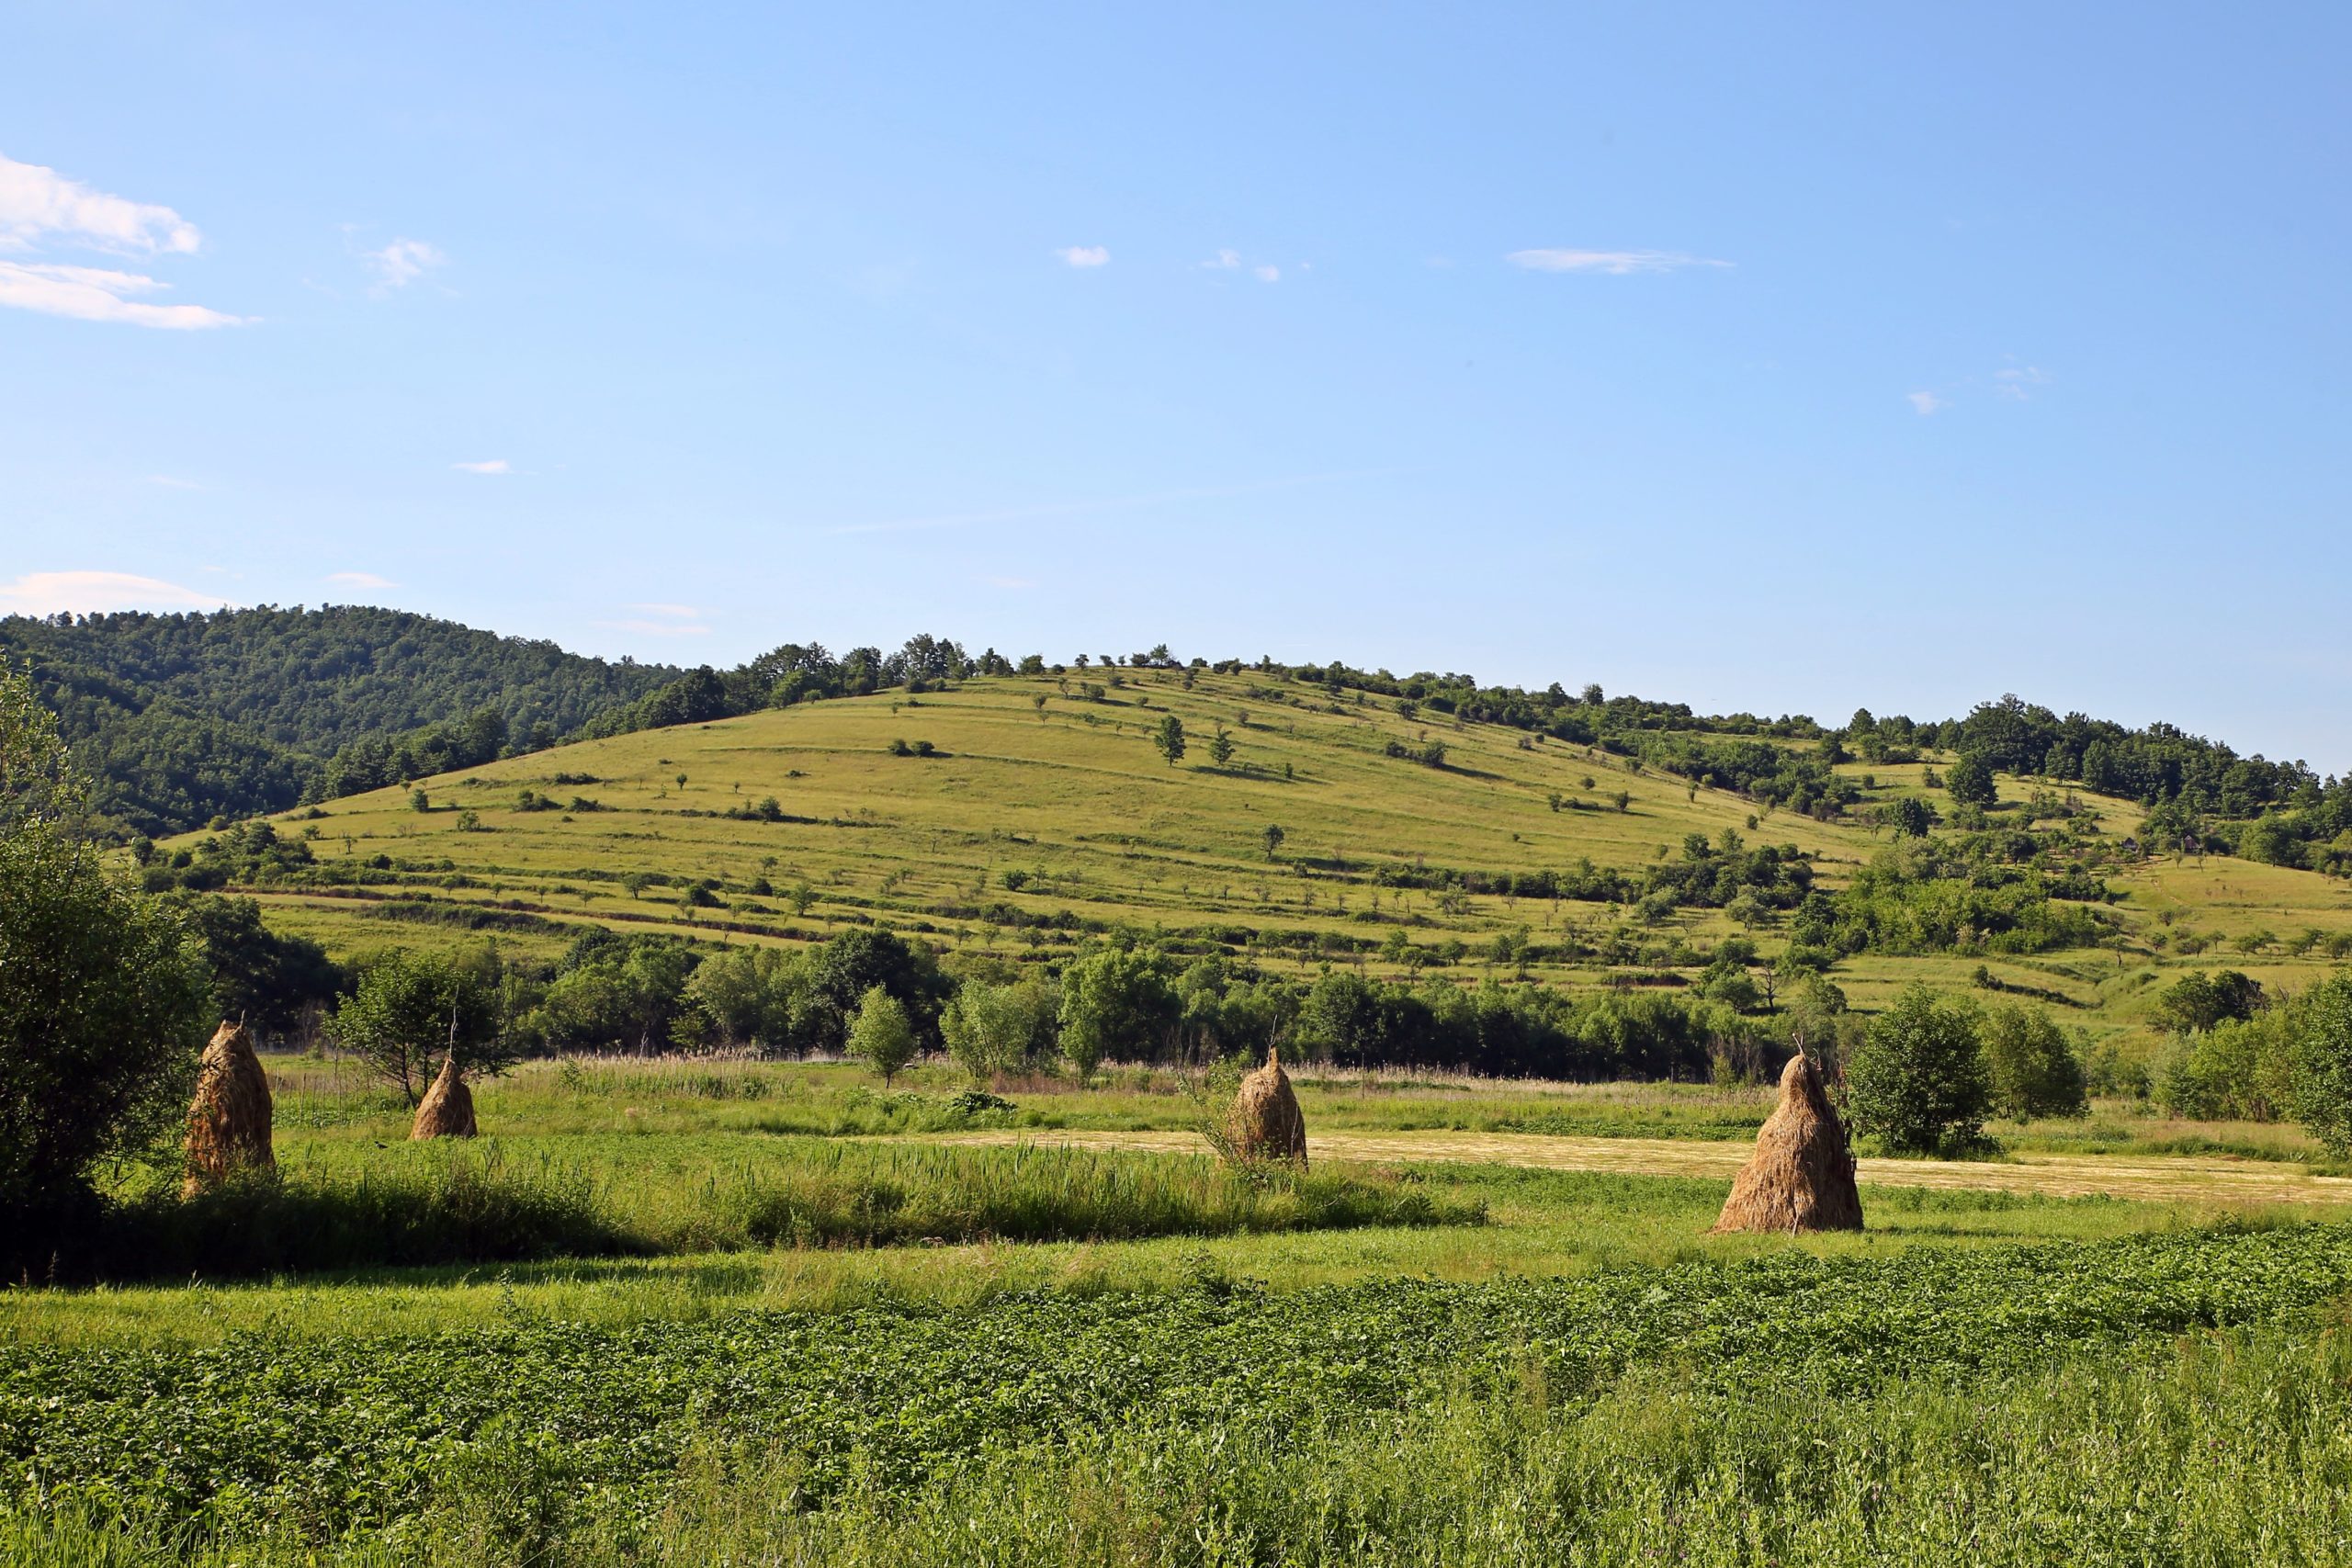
x=1266, y=1120
x=228, y=1124
x=1801, y=1176
x=447, y=1111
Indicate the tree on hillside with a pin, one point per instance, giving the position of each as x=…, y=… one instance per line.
x=2197, y=1002
x=880, y=1035
x=1221, y=746
x=1169, y=738
x=1910, y=817
x=1274, y=837
x=102, y=998
x=1917, y=1081
x=1969, y=781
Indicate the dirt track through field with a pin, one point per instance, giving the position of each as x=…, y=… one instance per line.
x=2149, y=1179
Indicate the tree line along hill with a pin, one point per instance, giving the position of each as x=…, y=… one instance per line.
x=185, y=719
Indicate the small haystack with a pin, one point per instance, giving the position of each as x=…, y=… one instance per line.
x=228, y=1123
x=1266, y=1121
x=1801, y=1176
x=447, y=1109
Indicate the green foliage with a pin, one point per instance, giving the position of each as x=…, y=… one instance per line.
x=185, y=718
x=2324, y=1065
x=411, y=1010
x=1970, y=781
x=1918, y=1082
x=1115, y=999
x=266, y=978
x=991, y=1029
x=1168, y=739
x=102, y=996
x=2034, y=1071
x=879, y=1034
x=2197, y=1002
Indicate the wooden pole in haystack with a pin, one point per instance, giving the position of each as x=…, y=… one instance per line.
x=1801, y=1176
x=228, y=1123
x=1266, y=1120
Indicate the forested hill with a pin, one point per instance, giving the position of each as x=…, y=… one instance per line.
x=185, y=718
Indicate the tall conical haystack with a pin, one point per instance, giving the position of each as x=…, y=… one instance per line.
x=1266, y=1120
x=228, y=1123
x=447, y=1111
x=1801, y=1176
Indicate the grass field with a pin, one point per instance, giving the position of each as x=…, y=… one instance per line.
x=779, y=1316
x=1037, y=805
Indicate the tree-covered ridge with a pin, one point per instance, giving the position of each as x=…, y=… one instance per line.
x=185, y=718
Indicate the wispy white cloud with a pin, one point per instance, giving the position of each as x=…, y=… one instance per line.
x=360, y=580
x=677, y=612
x=40, y=208
x=487, y=466
x=98, y=294
x=402, y=263
x=86, y=593
x=1085, y=255
x=1224, y=261
x=1268, y=274
x=1924, y=403
x=2019, y=381
x=1613, y=263
x=39, y=205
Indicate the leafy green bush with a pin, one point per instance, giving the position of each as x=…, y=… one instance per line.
x=1918, y=1082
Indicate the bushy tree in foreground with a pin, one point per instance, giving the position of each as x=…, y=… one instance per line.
x=1917, y=1081
x=103, y=999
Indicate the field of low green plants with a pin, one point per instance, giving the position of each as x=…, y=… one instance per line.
x=1792, y=1406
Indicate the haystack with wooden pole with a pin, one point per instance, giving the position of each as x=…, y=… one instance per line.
x=1266, y=1120
x=447, y=1109
x=228, y=1123
x=1801, y=1176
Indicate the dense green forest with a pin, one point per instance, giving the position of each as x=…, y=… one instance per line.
x=186, y=718
x=189, y=718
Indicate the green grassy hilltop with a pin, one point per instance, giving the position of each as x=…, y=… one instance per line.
x=1016, y=815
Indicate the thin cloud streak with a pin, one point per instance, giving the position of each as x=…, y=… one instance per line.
x=1113, y=504
x=1615, y=264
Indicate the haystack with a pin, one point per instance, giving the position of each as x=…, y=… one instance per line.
x=447, y=1109
x=1801, y=1176
x=228, y=1123
x=1266, y=1121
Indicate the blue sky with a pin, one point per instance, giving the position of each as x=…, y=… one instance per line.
x=1767, y=357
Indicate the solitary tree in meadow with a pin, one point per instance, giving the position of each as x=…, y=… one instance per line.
x=1274, y=836
x=1169, y=738
x=881, y=1035
x=1221, y=746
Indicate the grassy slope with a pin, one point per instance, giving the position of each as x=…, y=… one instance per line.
x=1075, y=797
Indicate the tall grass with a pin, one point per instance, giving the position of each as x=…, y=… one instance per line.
x=438, y=1205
